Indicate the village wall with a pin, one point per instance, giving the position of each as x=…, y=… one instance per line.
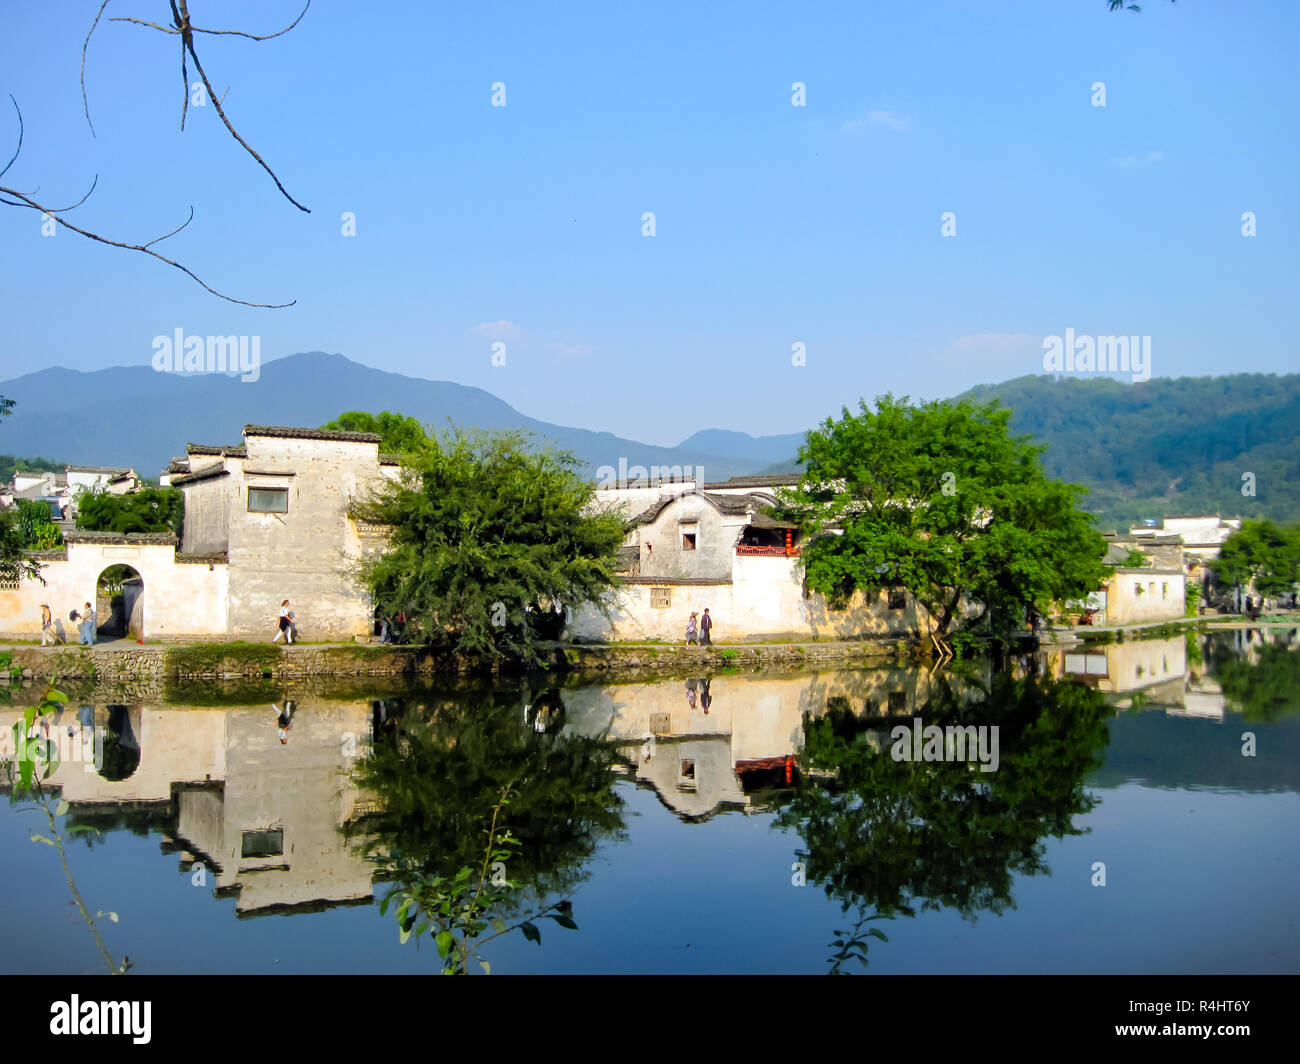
x=180, y=600
x=763, y=601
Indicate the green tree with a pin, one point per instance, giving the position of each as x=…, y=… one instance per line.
x=15, y=565
x=36, y=524
x=488, y=537
x=1261, y=554
x=468, y=789
x=942, y=500
x=149, y=510
x=401, y=434
x=1264, y=687
x=901, y=837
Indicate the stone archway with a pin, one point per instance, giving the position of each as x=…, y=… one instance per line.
x=119, y=602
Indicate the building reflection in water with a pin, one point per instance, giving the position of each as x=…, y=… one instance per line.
x=263, y=795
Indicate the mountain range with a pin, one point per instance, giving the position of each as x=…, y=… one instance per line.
x=1228, y=444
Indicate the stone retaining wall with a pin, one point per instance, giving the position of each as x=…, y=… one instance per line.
x=151, y=666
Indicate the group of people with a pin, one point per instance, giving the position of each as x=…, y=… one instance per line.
x=86, y=620
x=392, y=629
x=699, y=629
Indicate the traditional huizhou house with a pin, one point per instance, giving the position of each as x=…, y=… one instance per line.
x=1203, y=538
x=276, y=511
x=1154, y=590
x=724, y=550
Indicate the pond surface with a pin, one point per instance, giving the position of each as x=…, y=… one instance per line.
x=1136, y=810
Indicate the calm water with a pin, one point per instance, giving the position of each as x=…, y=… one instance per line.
x=680, y=815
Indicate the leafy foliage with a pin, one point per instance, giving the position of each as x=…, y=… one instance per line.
x=36, y=523
x=9, y=465
x=34, y=750
x=148, y=510
x=1261, y=554
x=898, y=837
x=488, y=540
x=14, y=562
x=1165, y=446
x=468, y=789
x=942, y=500
x=1264, y=686
x=400, y=433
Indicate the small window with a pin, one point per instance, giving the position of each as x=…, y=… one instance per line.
x=1164, y=590
x=262, y=844
x=688, y=541
x=661, y=597
x=898, y=600
x=688, y=769
x=268, y=500
x=9, y=583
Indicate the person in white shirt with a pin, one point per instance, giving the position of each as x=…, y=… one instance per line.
x=286, y=625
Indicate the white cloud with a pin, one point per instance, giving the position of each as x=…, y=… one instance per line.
x=876, y=118
x=1148, y=159
x=499, y=330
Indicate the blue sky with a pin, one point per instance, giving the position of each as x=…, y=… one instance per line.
x=774, y=224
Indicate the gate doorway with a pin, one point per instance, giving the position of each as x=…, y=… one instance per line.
x=119, y=595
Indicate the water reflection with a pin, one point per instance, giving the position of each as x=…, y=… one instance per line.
x=309, y=800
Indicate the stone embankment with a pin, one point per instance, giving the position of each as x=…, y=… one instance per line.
x=126, y=664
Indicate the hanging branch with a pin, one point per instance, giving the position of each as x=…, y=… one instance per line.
x=22, y=199
x=183, y=28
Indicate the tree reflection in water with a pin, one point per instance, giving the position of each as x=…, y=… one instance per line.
x=888, y=838
x=436, y=774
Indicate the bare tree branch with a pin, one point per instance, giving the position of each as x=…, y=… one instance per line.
x=142, y=22
x=188, y=38
x=85, y=103
x=234, y=33
x=185, y=87
x=22, y=199
x=183, y=27
x=20, y=135
x=27, y=201
x=174, y=231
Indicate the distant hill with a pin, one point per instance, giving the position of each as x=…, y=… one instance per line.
x=1164, y=446
x=134, y=416
x=1167, y=445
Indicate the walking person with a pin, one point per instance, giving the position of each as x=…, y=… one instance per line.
x=47, y=622
x=284, y=718
x=692, y=630
x=285, y=625
x=706, y=629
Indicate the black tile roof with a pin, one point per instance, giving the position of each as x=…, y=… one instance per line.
x=285, y=432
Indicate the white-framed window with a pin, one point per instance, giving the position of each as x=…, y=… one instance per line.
x=268, y=500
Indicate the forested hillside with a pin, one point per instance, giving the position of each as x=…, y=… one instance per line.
x=1165, y=446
